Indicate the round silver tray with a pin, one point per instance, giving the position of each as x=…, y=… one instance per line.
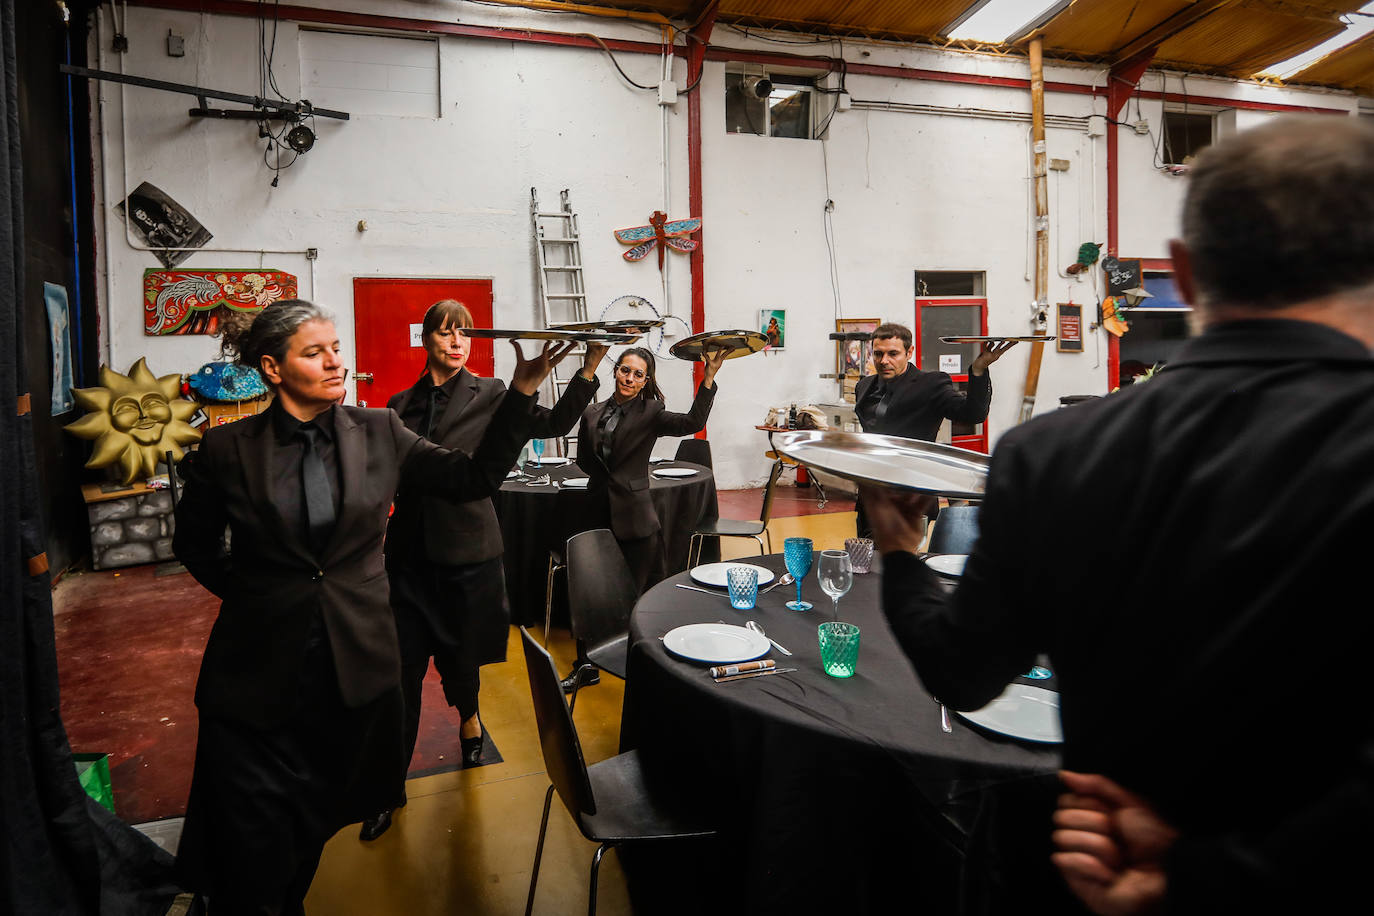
x=735, y=343
x=619, y=326
x=889, y=461
x=551, y=334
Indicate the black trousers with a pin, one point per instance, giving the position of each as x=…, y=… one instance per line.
x=457, y=615
x=264, y=802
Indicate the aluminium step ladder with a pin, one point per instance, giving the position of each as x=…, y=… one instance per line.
x=562, y=295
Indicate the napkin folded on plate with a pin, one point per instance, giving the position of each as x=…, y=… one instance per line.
x=741, y=668
x=576, y=483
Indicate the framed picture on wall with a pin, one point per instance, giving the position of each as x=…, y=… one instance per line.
x=773, y=324
x=854, y=358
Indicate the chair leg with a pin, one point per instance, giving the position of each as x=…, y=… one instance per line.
x=692, y=542
x=577, y=685
x=548, y=599
x=596, y=868
x=760, y=540
x=539, y=850
x=768, y=534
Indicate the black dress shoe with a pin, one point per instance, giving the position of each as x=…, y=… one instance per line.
x=570, y=682
x=472, y=749
x=377, y=825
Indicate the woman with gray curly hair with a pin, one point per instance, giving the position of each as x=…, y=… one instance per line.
x=299, y=699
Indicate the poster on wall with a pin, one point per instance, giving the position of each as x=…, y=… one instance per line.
x=773, y=324
x=1070, y=335
x=854, y=358
x=59, y=329
x=197, y=301
x=163, y=224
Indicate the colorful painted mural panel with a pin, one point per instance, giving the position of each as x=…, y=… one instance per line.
x=195, y=301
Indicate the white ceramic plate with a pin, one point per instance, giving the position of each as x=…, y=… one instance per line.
x=1022, y=711
x=575, y=483
x=716, y=643
x=552, y=461
x=714, y=574
x=674, y=472
x=949, y=564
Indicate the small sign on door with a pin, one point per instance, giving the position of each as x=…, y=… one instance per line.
x=951, y=363
x=416, y=335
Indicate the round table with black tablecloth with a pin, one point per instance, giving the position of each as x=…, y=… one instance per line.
x=832, y=795
x=538, y=518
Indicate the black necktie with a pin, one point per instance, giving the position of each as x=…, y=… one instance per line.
x=319, y=494
x=608, y=423
x=884, y=403
x=428, y=426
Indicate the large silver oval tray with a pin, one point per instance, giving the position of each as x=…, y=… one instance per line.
x=619, y=326
x=734, y=343
x=889, y=461
x=594, y=336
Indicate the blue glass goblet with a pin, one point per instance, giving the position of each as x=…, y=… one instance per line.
x=537, y=446
x=797, y=552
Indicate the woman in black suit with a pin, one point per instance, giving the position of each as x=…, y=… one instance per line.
x=448, y=585
x=299, y=699
x=614, y=442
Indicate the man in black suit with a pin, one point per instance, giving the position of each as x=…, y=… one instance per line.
x=1186, y=551
x=901, y=400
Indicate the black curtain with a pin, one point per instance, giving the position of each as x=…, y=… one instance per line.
x=60, y=853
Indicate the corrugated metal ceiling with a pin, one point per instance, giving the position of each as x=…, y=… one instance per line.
x=1237, y=38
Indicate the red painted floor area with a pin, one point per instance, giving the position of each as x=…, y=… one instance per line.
x=789, y=501
x=128, y=650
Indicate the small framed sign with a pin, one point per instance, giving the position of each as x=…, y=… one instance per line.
x=1070, y=336
x=1122, y=274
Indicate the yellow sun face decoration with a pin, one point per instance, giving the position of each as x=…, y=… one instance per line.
x=135, y=420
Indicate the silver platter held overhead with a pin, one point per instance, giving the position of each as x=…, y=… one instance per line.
x=889, y=461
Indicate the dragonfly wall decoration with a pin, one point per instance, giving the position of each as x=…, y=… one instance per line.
x=644, y=238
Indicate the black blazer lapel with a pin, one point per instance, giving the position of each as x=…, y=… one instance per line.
x=255, y=457
x=593, y=436
x=352, y=452
x=463, y=393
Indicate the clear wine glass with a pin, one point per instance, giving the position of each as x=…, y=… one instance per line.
x=797, y=552
x=836, y=575
x=524, y=462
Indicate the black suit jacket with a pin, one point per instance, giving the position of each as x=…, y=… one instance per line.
x=272, y=585
x=625, y=482
x=921, y=401
x=456, y=532
x=1188, y=552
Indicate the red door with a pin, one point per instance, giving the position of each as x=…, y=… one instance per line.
x=387, y=314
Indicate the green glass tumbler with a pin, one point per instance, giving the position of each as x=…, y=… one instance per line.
x=839, y=648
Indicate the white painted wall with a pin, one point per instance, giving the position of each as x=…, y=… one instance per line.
x=448, y=196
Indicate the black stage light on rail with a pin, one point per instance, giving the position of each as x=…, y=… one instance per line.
x=300, y=138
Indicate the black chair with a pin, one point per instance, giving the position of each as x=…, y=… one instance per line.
x=697, y=451
x=610, y=800
x=955, y=530
x=601, y=595
x=555, y=564
x=732, y=528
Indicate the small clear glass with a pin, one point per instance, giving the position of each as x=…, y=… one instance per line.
x=836, y=576
x=860, y=552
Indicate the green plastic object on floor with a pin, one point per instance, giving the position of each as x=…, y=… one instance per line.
x=93, y=771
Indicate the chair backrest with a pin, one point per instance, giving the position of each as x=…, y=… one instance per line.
x=773, y=476
x=601, y=588
x=697, y=451
x=955, y=531
x=563, y=759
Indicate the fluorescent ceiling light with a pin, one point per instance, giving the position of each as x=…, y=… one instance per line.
x=1356, y=28
x=996, y=20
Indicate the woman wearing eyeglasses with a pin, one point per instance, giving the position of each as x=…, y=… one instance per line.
x=614, y=442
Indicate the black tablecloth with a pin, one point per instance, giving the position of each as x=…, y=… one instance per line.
x=839, y=795
x=537, y=519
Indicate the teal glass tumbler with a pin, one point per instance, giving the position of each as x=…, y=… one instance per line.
x=744, y=587
x=839, y=648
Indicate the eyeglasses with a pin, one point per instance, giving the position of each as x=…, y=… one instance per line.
x=627, y=371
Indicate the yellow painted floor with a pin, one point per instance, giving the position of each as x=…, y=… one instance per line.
x=464, y=842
